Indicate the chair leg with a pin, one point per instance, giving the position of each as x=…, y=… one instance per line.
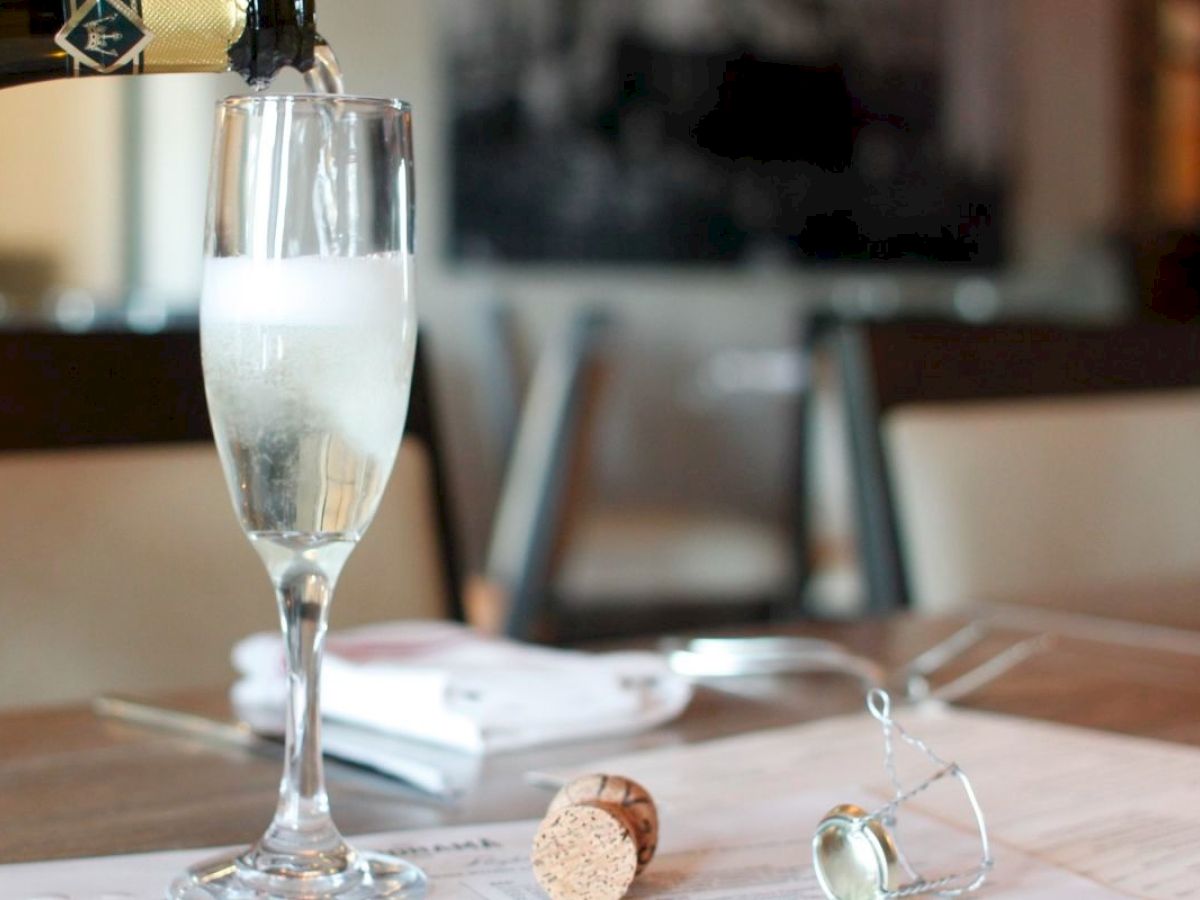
x=878, y=540
x=529, y=514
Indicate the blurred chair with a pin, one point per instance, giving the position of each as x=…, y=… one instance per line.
x=563, y=568
x=124, y=567
x=1020, y=461
x=501, y=375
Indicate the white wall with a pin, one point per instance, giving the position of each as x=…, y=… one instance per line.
x=62, y=179
x=173, y=119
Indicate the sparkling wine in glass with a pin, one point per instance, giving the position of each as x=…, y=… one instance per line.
x=308, y=333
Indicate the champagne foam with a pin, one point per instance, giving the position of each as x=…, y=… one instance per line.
x=305, y=290
x=309, y=345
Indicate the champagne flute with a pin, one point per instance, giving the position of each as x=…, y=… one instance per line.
x=308, y=333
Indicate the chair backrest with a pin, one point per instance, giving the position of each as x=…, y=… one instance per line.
x=124, y=566
x=531, y=509
x=1005, y=461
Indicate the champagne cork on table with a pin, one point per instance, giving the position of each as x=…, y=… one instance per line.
x=599, y=833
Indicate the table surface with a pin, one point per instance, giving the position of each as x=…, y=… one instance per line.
x=72, y=784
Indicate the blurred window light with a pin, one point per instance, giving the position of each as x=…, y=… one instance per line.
x=75, y=310
x=732, y=373
x=977, y=299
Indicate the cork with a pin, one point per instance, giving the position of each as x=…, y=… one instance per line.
x=599, y=833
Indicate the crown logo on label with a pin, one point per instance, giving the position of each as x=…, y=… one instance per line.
x=104, y=35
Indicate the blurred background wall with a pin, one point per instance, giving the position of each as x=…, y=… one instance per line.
x=103, y=194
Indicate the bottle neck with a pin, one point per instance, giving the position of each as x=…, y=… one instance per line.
x=42, y=39
x=279, y=33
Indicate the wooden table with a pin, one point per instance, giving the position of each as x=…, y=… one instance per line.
x=74, y=785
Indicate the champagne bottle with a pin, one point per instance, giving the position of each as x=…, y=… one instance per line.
x=44, y=39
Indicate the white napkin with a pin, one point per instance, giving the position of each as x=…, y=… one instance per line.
x=446, y=684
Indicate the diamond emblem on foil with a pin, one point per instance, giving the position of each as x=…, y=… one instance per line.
x=104, y=35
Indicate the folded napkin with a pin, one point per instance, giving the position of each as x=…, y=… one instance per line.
x=446, y=684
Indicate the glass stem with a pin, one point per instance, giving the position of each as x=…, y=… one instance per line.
x=302, y=825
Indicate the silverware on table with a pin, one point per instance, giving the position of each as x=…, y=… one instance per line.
x=720, y=657
x=434, y=772
x=726, y=657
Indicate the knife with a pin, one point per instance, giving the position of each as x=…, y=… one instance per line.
x=440, y=774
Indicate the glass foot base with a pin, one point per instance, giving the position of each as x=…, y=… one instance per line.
x=370, y=876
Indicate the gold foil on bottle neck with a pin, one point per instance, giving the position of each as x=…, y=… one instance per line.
x=191, y=35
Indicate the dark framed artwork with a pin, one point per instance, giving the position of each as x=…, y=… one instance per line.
x=729, y=131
